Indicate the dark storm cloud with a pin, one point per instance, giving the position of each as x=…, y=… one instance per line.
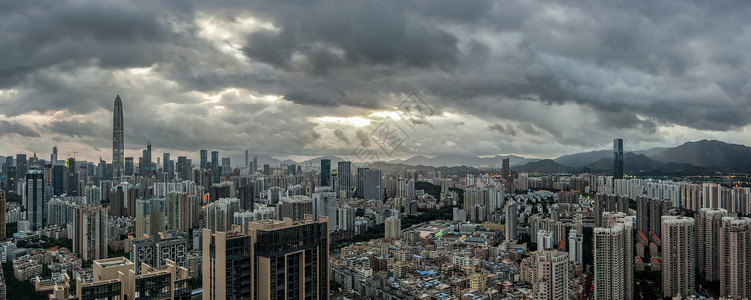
x=572, y=72
x=15, y=128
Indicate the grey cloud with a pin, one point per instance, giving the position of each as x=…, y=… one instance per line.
x=508, y=129
x=14, y=128
x=340, y=134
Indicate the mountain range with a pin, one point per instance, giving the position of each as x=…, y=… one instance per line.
x=698, y=157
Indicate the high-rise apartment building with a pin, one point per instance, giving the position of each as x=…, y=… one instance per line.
x=735, y=258
x=273, y=260
x=150, y=217
x=118, y=141
x=115, y=278
x=575, y=246
x=708, y=222
x=90, y=232
x=618, y=159
x=344, y=173
x=3, y=216
x=613, y=257
x=511, y=220
x=156, y=250
x=393, y=228
x=182, y=211
x=220, y=213
x=678, y=260
x=295, y=207
x=552, y=275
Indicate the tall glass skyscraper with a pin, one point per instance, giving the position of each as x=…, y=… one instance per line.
x=344, y=171
x=118, y=143
x=325, y=172
x=618, y=159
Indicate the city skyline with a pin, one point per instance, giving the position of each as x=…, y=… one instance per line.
x=199, y=77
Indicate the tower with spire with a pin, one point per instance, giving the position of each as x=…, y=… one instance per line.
x=118, y=143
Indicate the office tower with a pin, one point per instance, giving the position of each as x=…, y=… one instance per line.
x=735, y=258
x=510, y=227
x=166, y=166
x=345, y=219
x=552, y=275
x=325, y=173
x=506, y=170
x=182, y=168
x=708, y=222
x=118, y=141
x=219, y=214
x=115, y=278
x=254, y=167
x=361, y=182
x=22, y=165
x=215, y=166
x=296, y=207
x=53, y=156
x=129, y=167
x=145, y=165
x=273, y=260
x=149, y=217
x=266, y=169
x=393, y=228
x=156, y=250
x=344, y=171
x=90, y=232
x=373, y=188
x=34, y=198
x=617, y=159
x=613, y=257
x=204, y=159
x=59, y=179
x=3, y=216
x=247, y=161
x=678, y=262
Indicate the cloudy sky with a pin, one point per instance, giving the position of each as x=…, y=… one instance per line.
x=297, y=79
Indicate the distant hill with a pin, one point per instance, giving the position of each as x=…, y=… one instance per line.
x=452, y=160
x=544, y=166
x=631, y=163
x=710, y=154
x=586, y=158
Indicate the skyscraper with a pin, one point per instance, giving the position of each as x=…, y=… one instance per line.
x=145, y=167
x=552, y=275
x=118, y=141
x=150, y=216
x=2, y=216
x=204, y=159
x=613, y=257
x=215, y=166
x=373, y=185
x=325, y=172
x=271, y=260
x=735, y=258
x=247, y=161
x=393, y=228
x=708, y=223
x=34, y=198
x=618, y=159
x=90, y=232
x=510, y=227
x=344, y=171
x=678, y=263
x=53, y=157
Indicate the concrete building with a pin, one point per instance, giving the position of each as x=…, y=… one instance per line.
x=295, y=207
x=156, y=250
x=118, y=141
x=575, y=246
x=613, y=257
x=678, y=261
x=115, y=278
x=34, y=198
x=90, y=232
x=393, y=228
x=735, y=258
x=553, y=270
x=3, y=215
x=273, y=260
x=219, y=214
x=708, y=222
